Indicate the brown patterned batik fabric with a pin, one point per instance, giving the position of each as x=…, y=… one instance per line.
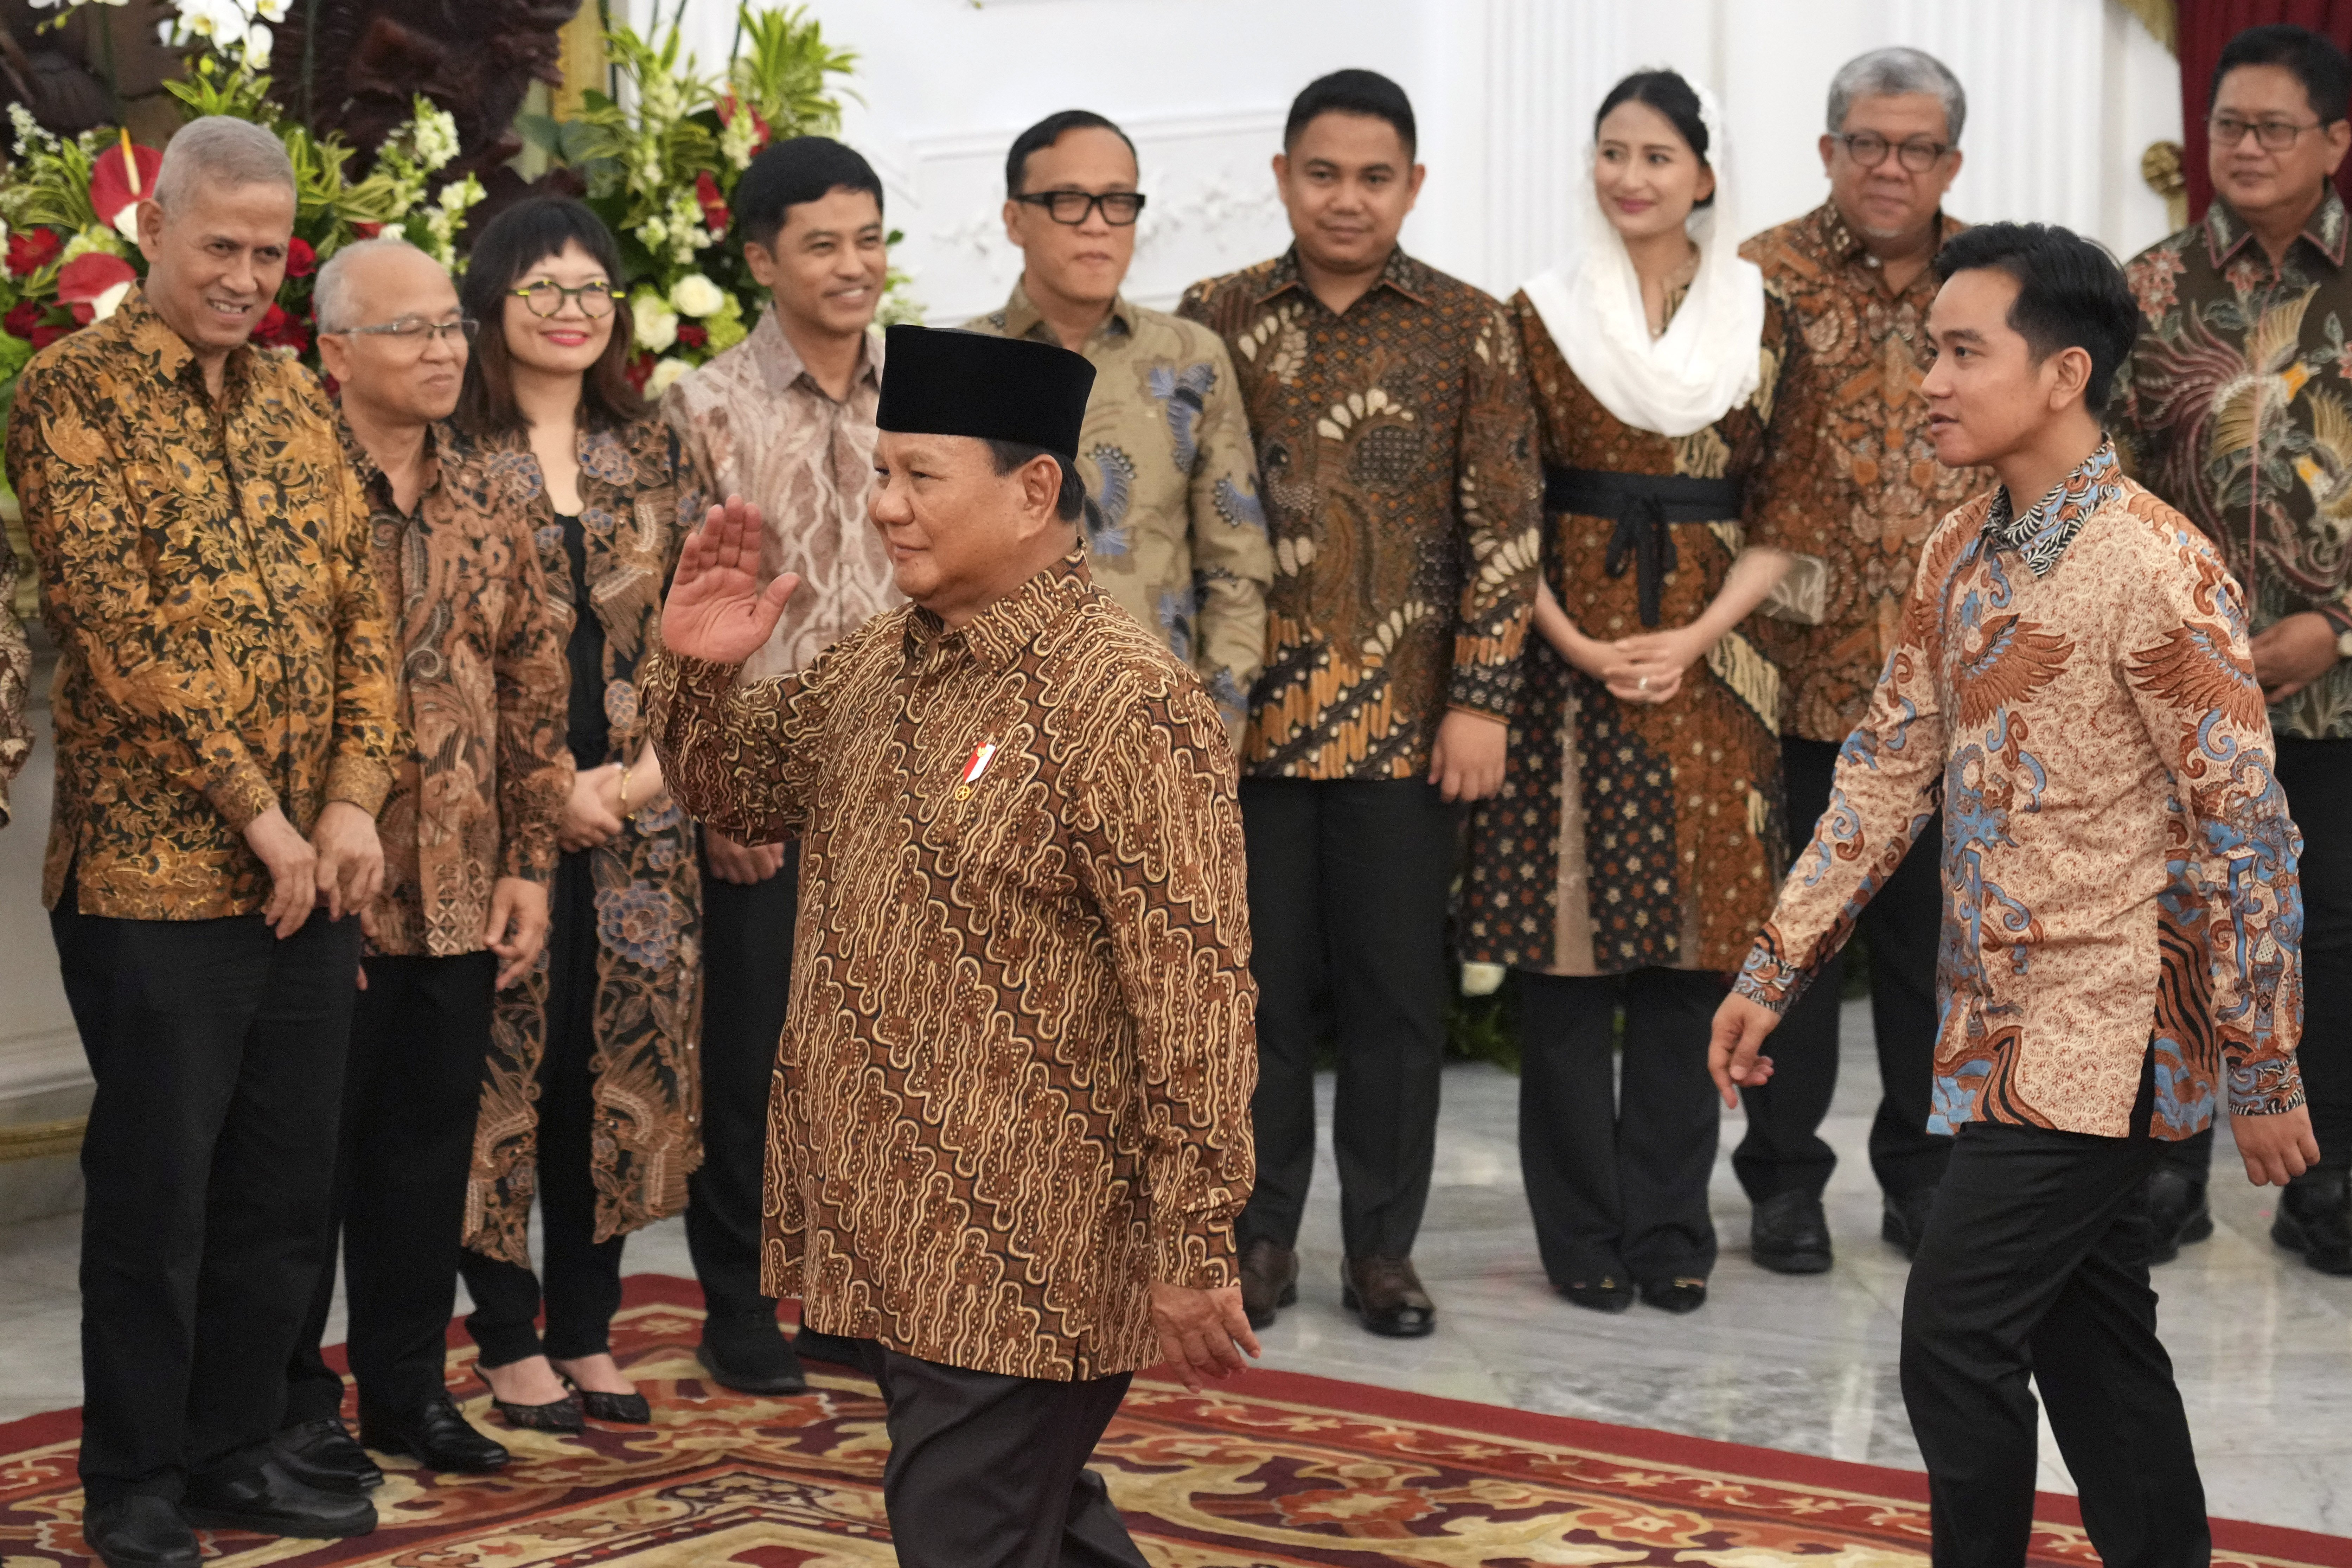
x=1852, y=478
x=483, y=786
x=2236, y=406
x=15, y=682
x=1629, y=834
x=1396, y=449
x=2073, y=686
x=206, y=575
x=1015, y=1080
x=640, y=495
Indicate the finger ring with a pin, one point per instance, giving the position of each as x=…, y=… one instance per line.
x=1643, y=684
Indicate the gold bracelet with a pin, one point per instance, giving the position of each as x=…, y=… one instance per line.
x=624, y=792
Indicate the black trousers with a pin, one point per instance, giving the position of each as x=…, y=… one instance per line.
x=1783, y=1150
x=990, y=1471
x=747, y=974
x=2035, y=1263
x=411, y=1094
x=1348, y=881
x=1616, y=1176
x=583, y=1285
x=219, y=1051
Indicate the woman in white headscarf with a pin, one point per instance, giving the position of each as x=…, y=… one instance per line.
x=1638, y=840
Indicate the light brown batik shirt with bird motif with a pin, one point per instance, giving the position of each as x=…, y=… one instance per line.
x=1014, y=1085
x=15, y=682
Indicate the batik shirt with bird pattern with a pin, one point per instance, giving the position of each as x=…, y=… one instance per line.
x=2072, y=685
x=1174, y=531
x=2236, y=408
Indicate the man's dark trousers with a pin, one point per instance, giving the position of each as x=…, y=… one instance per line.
x=1348, y=887
x=990, y=1471
x=1783, y=1150
x=747, y=972
x=410, y=1096
x=2035, y=1264
x=219, y=1051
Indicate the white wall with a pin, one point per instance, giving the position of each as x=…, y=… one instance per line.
x=2064, y=95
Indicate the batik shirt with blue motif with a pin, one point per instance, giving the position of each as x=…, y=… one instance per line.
x=1174, y=529
x=2073, y=686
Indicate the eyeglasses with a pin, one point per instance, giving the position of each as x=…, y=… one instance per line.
x=1869, y=149
x=546, y=296
x=412, y=333
x=2275, y=135
x=1120, y=208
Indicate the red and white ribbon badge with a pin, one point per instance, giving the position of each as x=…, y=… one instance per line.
x=981, y=756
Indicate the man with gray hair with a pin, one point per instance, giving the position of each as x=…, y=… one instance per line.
x=225, y=735
x=1852, y=484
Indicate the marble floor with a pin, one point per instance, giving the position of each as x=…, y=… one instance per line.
x=2263, y=1345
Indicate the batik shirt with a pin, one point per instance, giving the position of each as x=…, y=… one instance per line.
x=2073, y=686
x=755, y=424
x=1174, y=529
x=1396, y=453
x=1852, y=478
x=205, y=575
x=1015, y=1079
x=15, y=682
x=2236, y=406
x=486, y=778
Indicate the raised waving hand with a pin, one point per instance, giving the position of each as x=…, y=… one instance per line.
x=717, y=609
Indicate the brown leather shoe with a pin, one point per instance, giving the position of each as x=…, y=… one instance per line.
x=1269, y=1279
x=1387, y=1295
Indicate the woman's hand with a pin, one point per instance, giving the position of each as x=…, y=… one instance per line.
x=592, y=816
x=1650, y=666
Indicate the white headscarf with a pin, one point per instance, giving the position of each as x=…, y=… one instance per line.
x=1706, y=362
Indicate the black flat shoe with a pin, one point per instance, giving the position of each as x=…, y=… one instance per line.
x=321, y=1454
x=621, y=1409
x=559, y=1415
x=141, y=1532
x=1603, y=1295
x=268, y=1501
x=1676, y=1296
x=750, y=1359
x=436, y=1435
x=1386, y=1296
x=1788, y=1233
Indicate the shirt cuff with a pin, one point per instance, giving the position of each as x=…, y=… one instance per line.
x=362, y=780
x=1197, y=1252
x=1483, y=687
x=2270, y=1087
x=242, y=795
x=1767, y=978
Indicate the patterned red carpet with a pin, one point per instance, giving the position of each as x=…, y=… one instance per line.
x=1281, y=1472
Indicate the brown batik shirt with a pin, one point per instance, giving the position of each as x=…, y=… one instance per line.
x=1852, y=478
x=15, y=682
x=1014, y=1085
x=482, y=682
x=205, y=573
x=1396, y=449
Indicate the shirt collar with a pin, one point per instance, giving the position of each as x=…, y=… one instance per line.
x=1839, y=239
x=1021, y=317
x=2226, y=233
x=2042, y=533
x=371, y=474
x=149, y=333
x=999, y=634
x=1402, y=273
x=781, y=367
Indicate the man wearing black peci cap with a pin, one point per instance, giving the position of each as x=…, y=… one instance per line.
x=1009, y=1128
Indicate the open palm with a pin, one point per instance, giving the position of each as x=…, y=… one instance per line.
x=717, y=608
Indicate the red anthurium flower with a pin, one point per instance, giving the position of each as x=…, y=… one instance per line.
x=300, y=259
x=93, y=283
x=22, y=318
x=117, y=186
x=31, y=249
x=714, y=206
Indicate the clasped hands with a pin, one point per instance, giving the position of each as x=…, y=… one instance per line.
x=339, y=867
x=1645, y=668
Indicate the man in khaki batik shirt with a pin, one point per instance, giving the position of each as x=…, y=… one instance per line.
x=1174, y=531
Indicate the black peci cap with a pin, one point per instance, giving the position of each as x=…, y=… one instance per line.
x=941, y=382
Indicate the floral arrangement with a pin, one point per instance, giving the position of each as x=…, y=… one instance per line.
x=662, y=162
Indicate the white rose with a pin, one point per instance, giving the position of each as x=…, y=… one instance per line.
x=657, y=324
x=665, y=375
x=696, y=295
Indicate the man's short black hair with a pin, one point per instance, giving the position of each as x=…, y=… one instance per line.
x=800, y=169
x=2316, y=62
x=1352, y=92
x=2069, y=293
x=1010, y=455
x=1047, y=131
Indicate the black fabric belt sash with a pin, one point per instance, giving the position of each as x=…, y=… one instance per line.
x=1644, y=506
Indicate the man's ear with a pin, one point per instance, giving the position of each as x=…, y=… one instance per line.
x=2073, y=379
x=1041, y=487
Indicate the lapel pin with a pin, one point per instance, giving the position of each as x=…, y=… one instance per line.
x=981, y=756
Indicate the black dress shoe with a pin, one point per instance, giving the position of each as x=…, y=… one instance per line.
x=750, y=1356
x=436, y=1435
x=1386, y=1296
x=1269, y=1279
x=321, y=1454
x=2176, y=1215
x=1788, y=1233
x=1903, y=1221
x=1676, y=1296
x=2315, y=1218
x=840, y=1350
x=1602, y=1295
x=141, y=1532
x=268, y=1501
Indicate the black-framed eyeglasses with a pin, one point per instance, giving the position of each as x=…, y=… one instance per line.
x=545, y=297
x=2273, y=135
x=410, y=332
x=1120, y=208
x=1869, y=149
